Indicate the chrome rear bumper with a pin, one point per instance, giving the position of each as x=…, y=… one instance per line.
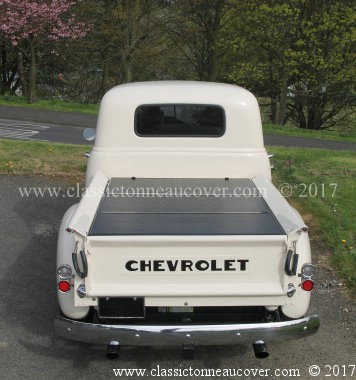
x=170, y=335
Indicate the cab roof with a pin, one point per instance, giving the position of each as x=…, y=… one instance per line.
x=115, y=128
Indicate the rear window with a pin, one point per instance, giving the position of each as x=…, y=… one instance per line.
x=179, y=120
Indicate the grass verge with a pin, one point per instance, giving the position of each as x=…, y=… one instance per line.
x=320, y=184
x=51, y=105
x=324, y=134
x=58, y=161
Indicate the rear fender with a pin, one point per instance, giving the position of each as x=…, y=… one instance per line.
x=300, y=300
x=65, y=247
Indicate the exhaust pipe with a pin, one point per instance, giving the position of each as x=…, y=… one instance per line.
x=260, y=349
x=188, y=351
x=112, y=349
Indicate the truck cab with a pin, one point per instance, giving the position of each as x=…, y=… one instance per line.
x=181, y=237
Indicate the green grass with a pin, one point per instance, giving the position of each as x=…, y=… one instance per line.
x=314, y=174
x=324, y=134
x=58, y=161
x=51, y=105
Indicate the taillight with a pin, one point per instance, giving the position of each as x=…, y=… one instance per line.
x=308, y=285
x=308, y=270
x=64, y=271
x=64, y=286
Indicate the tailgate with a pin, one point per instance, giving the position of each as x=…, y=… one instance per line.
x=184, y=238
x=185, y=266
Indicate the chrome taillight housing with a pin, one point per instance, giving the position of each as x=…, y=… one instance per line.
x=308, y=272
x=64, y=271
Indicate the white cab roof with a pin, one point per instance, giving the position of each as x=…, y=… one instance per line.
x=115, y=129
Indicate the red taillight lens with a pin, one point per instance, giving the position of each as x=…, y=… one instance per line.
x=308, y=285
x=64, y=286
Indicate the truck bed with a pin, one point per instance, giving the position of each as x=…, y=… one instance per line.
x=169, y=207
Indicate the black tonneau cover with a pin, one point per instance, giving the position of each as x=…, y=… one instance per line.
x=183, y=207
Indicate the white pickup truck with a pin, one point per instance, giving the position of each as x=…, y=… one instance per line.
x=181, y=238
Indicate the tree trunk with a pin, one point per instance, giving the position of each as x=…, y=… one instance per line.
x=280, y=110
x=21, y=71
x=33, y=75
x=104, y=81
x=131, y=44
x=128, y=71
x=277, y=116
x=273, y=114
x=3, y=69
x=213, y=49
x=280, y=106
x=314, y=117
x=302, y=120
x=213, y=65
x=283, y=104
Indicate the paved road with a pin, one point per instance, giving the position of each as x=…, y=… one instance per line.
x=28, y=124
x=306, y=142
x=45, y=116
x=29, y=130
x=29, y=349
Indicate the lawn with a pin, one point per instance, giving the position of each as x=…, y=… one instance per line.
x=58, y=161
x=51, y=105
x=349, y=136
x=319, y=183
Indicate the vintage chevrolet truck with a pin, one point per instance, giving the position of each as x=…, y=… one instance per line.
x=180, y=237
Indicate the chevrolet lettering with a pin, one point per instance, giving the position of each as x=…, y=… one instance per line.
x=186, y=265
x=181, y=238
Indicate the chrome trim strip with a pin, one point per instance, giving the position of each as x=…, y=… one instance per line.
x=171, y=335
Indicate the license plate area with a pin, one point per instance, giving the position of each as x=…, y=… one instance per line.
x=121, y=307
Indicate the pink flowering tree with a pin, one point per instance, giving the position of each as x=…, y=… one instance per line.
x=28, y=24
